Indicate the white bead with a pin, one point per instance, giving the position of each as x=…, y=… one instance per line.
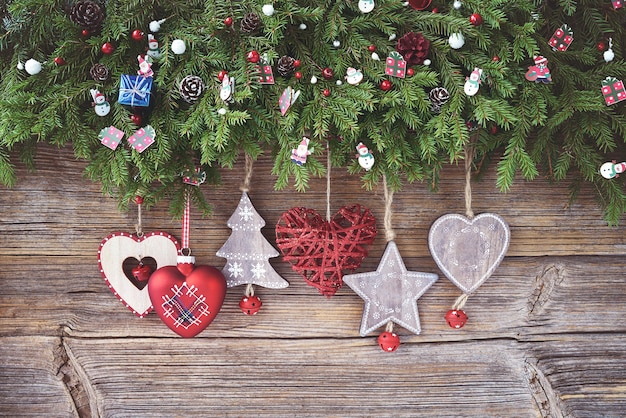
x=457, y=4
x=406, y=3
x=336, y=43
x=178, y=46
x=302, y=26
x=32, y=66
x=268, y=9
x=221, y=111
x=20, y=65
x=392, y=36
x=427, y=62
x=313, y=80
x=375, y=56
x=338, y=82
x=456, y=40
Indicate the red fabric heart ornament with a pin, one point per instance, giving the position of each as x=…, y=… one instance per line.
x=187, y=298
x=320, y=250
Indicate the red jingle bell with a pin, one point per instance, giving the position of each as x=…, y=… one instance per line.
x=142, y=272
x=419, y=4
x=388, y=341
x=328, y=73
x=250, y=305
x=253, y=57
x=136, y=119
x=137, y=35
x=456, y=318
x=385, y=85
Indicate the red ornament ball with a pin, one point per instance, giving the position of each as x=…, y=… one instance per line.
x=85, y=33
x=138, y=200
x=136, y=119
x=386, y=85
x=142, y=272
x=495, y=58
x=410, y=72
x=221, y=75
x=388, y=341
x=371, y=48
x=137, y=35
x=250, y=305
x=419, y=4
x=296, y=63
x=456, y=318
x=328, y=73
x=476, y=19
x=326, y=92
x=435, y=10
x=298, y=75
x=253, y=57
x=601, y=46
x=59, y=61
x=107, y=48
x=228, y=21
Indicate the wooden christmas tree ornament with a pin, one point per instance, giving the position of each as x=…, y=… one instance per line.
x=126, y=261
x=467, y=249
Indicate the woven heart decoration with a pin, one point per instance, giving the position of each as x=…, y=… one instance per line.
x=468, y=250
x=186, y=297
x=320, y=250
x=118, y=247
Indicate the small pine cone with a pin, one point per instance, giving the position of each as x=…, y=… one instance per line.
x=285, y=66
x=438, y=96
x=250, y=23
x=191, y=88
x=87, y=14
x=99, y=72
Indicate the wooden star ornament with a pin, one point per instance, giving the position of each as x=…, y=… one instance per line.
x=390, y=293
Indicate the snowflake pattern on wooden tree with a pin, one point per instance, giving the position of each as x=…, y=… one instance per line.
x=247, y=252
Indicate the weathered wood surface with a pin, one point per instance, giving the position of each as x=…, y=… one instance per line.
x=545, y=337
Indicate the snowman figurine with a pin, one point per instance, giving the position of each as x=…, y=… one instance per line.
x=612, y=169
x=298, y=155
x=100, y=104
x=354, y=76
x=145, y=66
x=472, y=83
x=153, y=47
x=366, y=6
x=366, y=159
x=227, y=89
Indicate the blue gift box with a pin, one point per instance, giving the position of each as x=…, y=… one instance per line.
x=135, y=90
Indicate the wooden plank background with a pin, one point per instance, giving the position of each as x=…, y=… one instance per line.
x=546, y=335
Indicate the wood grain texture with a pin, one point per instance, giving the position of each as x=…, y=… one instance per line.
x=545, y=336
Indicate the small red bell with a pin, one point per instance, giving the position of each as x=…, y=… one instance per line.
x=142, y=272
x=250, y=305
x=456, y=318
x=389, y=341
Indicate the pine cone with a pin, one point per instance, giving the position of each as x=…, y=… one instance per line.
x=191, y=88
x=414, y=48
x=87, y=14
x=285, y=66
x=99, y=72
x=438, y=96
x=250, y=23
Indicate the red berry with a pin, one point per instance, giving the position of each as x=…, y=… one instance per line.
x=494, y=129
x=476, y=19
x=142, y=272
x=136, y=119
x=137, y=35
x=85, y=33
x=59, y=61
x=253, y=57
x=495, y=58
x=410, y=72
x=371, y=48
x=250, y=305
x=601, y=46
x=107, y=48
x=221, y=74
x=228, y=21
x=456, y=318
x=389, y=341
x=435, y=10
x=138, y=200
x=328, y=73
x=385, y=85
x=326, y=92
x=298, y=75
x=296, y=63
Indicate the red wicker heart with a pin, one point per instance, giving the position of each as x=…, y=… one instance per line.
x=321, y=251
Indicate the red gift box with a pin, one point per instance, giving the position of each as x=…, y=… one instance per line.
x=562, y=38
x=613, y=90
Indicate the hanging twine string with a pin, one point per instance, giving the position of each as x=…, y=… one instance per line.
x=186, y=217
x=390, y=235
x=469, y=158
x=138, y=225
x=249, y=290
x=389, y=327
x=459, y=303
x=245, y=187
x=328, y=166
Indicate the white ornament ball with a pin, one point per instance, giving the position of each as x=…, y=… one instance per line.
x=427, y=62
x=178, y=46
x=302, y=26
x=609, y=55
x=313, y=80
x=32, y=66
x=339, y=82
x=155, y=25
x=221, y=111
x=20, y=66
x=375, y=56
x=268, y=9
x=336, y=43
x=456, y=40
x=457, y=4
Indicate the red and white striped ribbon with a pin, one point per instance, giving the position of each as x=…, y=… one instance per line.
x=186, y=224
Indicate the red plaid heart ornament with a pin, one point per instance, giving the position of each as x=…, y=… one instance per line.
x=320, y=250
x=186, y=297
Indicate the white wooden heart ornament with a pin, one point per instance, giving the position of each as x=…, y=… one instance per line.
x=119, y=246
x=468, y=250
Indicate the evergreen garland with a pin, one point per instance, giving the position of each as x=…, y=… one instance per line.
x=563, y=130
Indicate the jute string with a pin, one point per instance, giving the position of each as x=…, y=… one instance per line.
x=245, y=187
x=390, y=235
x=138, y=225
